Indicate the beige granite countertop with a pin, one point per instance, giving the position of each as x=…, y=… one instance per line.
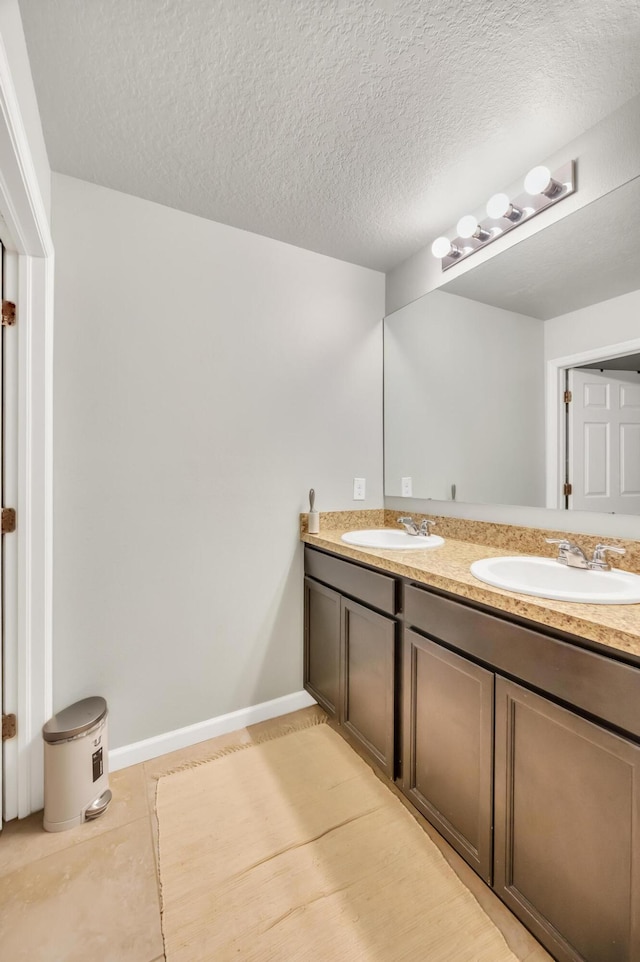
x=447, y=567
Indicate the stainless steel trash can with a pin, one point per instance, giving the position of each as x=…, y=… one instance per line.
x=76, y=774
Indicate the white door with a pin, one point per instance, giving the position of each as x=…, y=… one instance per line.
x=603, y=432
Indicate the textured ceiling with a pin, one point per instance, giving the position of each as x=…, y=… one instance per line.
x=357, y=128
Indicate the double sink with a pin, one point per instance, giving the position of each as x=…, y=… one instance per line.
x=526, y=575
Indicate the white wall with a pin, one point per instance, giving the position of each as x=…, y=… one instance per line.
x=464, y=402
x=205, y=379
x=12, y=36
x=599, y=325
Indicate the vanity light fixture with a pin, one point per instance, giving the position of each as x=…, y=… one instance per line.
x=542, y=189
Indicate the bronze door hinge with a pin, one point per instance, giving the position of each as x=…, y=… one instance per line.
x=8, y=520
x=9, y=727
x=567, y=489
x=568, y=397
x=8, y=313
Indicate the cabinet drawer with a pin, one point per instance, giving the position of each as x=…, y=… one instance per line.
x=601, y=686
x=377, y=590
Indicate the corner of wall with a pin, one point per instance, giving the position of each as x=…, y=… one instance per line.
x=13, y=38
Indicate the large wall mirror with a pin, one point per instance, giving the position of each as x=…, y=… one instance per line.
x=476, y=373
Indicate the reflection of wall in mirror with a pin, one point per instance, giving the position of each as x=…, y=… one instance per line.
x=464, y=402
x=599, y=325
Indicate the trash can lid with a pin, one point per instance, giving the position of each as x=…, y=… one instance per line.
x=75, y=719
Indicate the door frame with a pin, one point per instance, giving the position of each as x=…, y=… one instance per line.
x=28, y=649
x=555, y=428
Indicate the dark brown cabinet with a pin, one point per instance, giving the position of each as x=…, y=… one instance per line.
x=566, y=789
x=521, y=745
x=322, y=645
x=567, y=856
x=448, y=746
x=368, y=655
x=350, y=652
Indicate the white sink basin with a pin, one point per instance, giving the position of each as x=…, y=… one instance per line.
x=546, y=578
x=390, y=538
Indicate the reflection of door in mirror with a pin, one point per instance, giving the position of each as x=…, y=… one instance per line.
x=603, y=440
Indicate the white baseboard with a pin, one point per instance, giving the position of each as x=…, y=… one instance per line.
x=201, y=731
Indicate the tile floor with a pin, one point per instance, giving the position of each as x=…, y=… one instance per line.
x=92, y=892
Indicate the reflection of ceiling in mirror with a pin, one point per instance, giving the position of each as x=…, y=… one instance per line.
x=629, y=362
x=585, y=258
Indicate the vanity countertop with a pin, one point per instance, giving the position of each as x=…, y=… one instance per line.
x=447, y=567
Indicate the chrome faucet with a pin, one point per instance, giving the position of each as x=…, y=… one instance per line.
x=569, y=553
x=572, y=555
x=411, y=527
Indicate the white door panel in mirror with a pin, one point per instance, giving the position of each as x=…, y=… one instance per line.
x=603, y=426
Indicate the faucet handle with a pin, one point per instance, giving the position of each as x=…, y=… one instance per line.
x=426, y=526
x=599, y=560
x=564, y=545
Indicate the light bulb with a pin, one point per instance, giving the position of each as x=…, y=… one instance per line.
x=441, y=247
x=537, y=180
x=498, y=206
x=467, y=226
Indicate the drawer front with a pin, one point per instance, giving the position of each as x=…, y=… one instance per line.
x=601, y=686
x=377, y=590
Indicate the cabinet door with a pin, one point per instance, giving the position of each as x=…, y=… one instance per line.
x=367, y=702
x=567, y=841
x=448, y=745
x=322, y=644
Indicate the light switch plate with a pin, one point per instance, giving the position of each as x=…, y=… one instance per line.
x=407, y=488
x=359, y=485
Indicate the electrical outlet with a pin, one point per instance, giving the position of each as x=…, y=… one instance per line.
x=407, y=488
x=359, y=489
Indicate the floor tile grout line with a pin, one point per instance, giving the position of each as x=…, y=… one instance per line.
x=72, y=846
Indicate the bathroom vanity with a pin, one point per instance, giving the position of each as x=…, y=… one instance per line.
x=517, y=737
